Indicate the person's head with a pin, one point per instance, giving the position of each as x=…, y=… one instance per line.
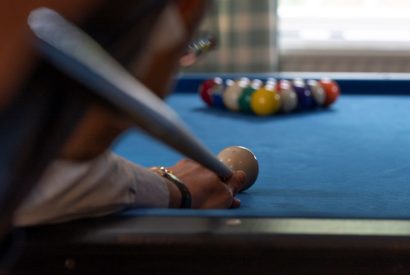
x=142, y=35
x=147, y=37
x=130, y=30
x=169, y=42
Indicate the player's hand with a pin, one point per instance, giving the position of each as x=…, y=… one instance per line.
x=207, y=189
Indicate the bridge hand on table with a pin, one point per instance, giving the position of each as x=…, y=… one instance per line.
x=210, y=191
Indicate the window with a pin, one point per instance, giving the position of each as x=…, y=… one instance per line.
x=344, y=35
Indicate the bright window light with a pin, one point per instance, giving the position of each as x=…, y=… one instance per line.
x=344, y=25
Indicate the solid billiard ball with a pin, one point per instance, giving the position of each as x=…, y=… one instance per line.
x=265, y=101
x=241, y=158
x=244, y=100
x=205, y=91
x=216, y=93
x=217, y=99
x=318, y=92
x=232, y=93
x=304, y=95
x=288, y=96
x=331, y=89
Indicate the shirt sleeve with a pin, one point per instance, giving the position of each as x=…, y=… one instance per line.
x=70, y=190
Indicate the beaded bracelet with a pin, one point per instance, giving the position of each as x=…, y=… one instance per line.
x=186, y=200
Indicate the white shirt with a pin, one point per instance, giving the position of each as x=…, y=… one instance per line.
x=70, y=190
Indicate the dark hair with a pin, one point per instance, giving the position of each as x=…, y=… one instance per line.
x=122, y=27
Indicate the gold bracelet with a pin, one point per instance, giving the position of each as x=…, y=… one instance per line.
x=186, y=199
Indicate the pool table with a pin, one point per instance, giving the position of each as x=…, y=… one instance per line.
x=332, y=196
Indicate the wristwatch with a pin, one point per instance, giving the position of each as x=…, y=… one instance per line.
x=186, y=199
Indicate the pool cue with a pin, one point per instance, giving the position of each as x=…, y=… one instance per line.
x=78, y=55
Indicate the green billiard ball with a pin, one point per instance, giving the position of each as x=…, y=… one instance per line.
x=244, y=100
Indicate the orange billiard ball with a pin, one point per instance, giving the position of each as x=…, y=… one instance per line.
x=332, y=91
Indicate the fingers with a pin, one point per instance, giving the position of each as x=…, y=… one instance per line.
x=207, y=189
x=237, y=182
x=235, y=203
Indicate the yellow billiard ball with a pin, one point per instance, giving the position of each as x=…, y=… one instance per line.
x=265, y=101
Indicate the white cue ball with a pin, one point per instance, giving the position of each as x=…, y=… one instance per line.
x=241, y=158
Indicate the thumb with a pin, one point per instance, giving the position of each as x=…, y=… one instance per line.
x=237, y=182
x=235, y=203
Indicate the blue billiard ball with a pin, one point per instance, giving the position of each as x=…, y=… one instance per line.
x=215, y=93
x=304, y=95
x=217, y=96
x=218, y=101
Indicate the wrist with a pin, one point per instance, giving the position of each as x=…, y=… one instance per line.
x=180, y=196
x=175, y=197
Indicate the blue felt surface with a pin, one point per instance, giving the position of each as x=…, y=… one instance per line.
x=352, y=160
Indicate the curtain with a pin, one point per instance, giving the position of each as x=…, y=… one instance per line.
x=245, y=32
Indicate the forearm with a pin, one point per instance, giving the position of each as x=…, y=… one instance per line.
x=96, y=131
x=107, y=184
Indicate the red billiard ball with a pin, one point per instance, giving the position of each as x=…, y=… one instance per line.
x=332, y=91
x=205, y=90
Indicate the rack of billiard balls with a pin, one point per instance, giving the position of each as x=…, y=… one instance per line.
x=269, y=97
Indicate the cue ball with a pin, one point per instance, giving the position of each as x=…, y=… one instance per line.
x=241, y=158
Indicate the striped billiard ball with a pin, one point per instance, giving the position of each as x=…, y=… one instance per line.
x=288, y=96
x=318, y=92
x=232, y=93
